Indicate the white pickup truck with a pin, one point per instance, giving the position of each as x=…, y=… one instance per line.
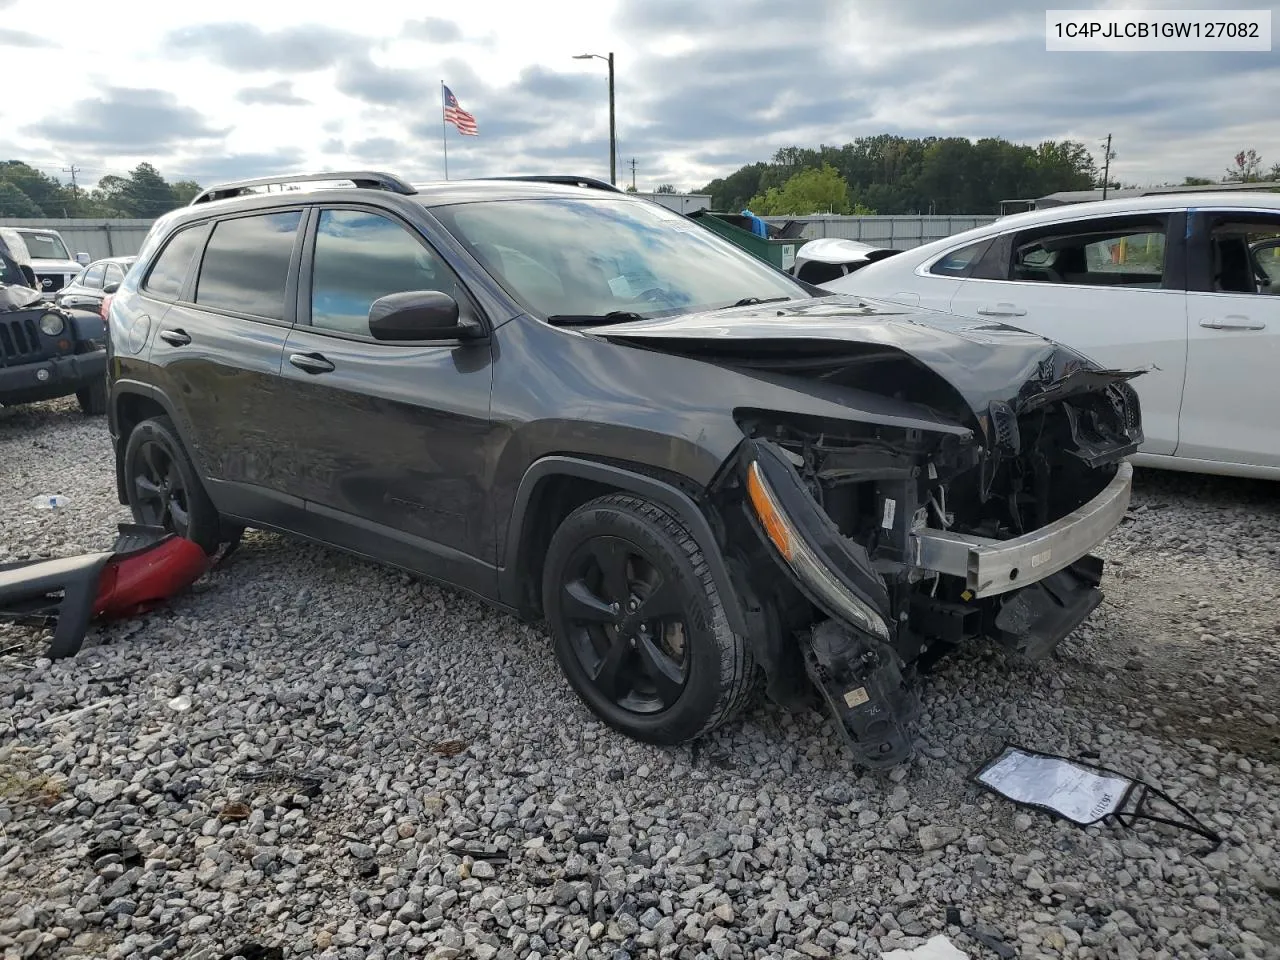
x=53, y=266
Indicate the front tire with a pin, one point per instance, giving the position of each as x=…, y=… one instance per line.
x=93, y=398
x=163, y=487
x=637, y=623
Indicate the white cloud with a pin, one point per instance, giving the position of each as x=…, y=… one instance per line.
x=702, y=87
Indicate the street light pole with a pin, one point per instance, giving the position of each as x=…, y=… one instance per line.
x=613, y=130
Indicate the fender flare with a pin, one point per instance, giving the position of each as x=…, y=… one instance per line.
x=659, y=491
x=122, y=388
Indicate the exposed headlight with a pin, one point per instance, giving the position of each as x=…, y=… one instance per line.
x=51, y=324
x=805, y=563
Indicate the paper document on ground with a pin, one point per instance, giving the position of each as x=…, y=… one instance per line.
x=936, y=948
x=1077, y=793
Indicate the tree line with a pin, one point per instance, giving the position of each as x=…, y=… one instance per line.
x=888, y=175
x=143, y=194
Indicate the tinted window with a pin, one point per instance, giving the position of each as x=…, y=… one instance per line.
x=170, y=269
x=1243, y=252
x=361, y=256
x=1113, y=253
x=246, y=264
x=955, y=263
x=93, y=276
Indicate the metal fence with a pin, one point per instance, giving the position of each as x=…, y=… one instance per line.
x=98, y=238
x=898, y=233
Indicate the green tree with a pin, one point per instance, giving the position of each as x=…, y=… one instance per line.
x=808, y=192
x=666, y=188
x=15, y=203
x=897, y=175
x=184, y=191
x=1196, y=181
x=147, y=194
x=53, y=199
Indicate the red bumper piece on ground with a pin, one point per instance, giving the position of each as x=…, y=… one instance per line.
x=132, y=583
x=143, y=567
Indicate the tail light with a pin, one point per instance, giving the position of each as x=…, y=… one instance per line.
x=105, y=310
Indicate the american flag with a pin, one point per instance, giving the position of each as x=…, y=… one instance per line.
x=454, y=114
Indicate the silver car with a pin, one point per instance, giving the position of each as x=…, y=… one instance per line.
x=95, y=282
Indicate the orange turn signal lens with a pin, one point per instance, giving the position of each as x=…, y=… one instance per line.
x=768, y=513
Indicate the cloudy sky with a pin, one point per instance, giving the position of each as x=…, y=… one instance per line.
x=249, y=87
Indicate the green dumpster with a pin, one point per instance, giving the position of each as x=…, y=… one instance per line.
x=777, y=250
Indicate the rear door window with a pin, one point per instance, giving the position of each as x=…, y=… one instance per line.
x=1117, y=252
x=246, y=264
x=93, y=277
x=168, y=274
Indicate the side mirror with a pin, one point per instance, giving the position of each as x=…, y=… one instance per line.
x=82, y=258
x=111, y=287
x=419, y=315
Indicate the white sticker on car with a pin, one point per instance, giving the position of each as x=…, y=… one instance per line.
x=890, y=511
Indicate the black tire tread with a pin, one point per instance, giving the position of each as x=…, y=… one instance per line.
x=206, y=524
x=93, y=399
x=738, y=669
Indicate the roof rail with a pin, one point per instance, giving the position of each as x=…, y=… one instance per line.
x=568, y=179
x=370, y=179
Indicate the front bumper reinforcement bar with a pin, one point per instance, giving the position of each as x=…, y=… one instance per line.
x=991, y=567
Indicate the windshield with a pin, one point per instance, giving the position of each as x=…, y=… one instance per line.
x=589, y=257
x=44, y=246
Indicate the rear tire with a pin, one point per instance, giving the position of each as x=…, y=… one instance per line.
x=93, y=398
x=637, y=623
x=163, y=487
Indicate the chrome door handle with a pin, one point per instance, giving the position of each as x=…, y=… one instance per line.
x=175, y=338
x=1233, y=322
x=311, y=362
x=1001, y=310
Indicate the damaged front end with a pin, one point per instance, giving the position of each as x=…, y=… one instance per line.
x=901, y=543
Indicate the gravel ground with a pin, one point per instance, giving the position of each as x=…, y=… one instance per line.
x=311, y=756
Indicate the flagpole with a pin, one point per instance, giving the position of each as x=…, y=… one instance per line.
x=444, y=129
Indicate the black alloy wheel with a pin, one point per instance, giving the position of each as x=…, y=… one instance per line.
x=626, y=624
x=637, y=623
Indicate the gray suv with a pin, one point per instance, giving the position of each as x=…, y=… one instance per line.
x=589, y=410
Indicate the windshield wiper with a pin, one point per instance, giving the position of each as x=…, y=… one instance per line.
x=594, y=320
x=752, y=301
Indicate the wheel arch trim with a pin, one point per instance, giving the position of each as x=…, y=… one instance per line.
x=629, y=481
x=136, y=388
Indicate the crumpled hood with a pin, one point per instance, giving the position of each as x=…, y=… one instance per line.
x=983, y=361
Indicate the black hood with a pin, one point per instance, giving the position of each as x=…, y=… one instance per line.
x=981, y=360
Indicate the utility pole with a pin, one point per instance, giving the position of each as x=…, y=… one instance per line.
x=1106, y=167
x=633, y=173
x=73, y=170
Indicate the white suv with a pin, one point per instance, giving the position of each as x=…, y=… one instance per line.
x=1177, y=284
